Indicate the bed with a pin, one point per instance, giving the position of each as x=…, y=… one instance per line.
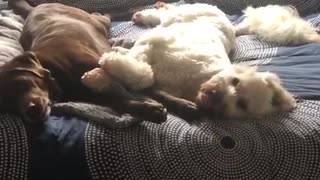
x=70, y=146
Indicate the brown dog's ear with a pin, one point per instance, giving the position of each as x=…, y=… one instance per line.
x=28, y=60
x=30, y=56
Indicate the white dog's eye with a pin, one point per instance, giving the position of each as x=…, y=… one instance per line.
x=242, y=104
x=275, y=101
x=235, y=81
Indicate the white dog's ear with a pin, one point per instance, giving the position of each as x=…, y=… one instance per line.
x=271, y=78
x=244, y=69
x=282, y=100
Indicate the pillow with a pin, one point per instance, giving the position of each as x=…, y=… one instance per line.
x=10, y=30
x=236, y=6
x=101, y=6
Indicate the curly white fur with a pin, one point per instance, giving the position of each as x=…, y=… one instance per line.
x=191, y=42
x=186, y=53
x=280, y=24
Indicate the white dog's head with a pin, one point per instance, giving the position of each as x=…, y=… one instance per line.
x=241, y=91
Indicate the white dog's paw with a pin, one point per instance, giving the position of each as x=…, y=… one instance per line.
x=148, y=17
x=97, y=80
x=137, y=18
x=120, y=50
x=160, y=4
x=107, y=59
x=289, y=103
x=133, y=73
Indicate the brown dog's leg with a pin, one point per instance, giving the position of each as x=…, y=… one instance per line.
x=181, y=107
x=117, y=96
x=145, y=108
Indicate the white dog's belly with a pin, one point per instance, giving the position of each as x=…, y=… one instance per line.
x=189, y=54
x=178, y=77
x=182, y=56
x=181, y=72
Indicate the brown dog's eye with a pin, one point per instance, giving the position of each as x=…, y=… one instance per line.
x=22, y=85
x=242, y=104
x=46, y=73
x=235, y=81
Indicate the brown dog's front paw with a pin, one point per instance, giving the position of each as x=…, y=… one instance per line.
x=149, y=110
x=155, y=112
x=188, y=110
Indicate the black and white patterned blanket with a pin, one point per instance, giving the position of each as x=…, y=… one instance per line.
x=284, y=146
x=281, y=147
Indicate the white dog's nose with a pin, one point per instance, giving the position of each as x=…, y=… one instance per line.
x=215, y=96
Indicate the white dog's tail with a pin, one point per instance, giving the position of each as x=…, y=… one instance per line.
x=293, y=32
x=280, y=24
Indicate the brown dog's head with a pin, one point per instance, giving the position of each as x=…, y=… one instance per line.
x=241, y=91
x=24, y=88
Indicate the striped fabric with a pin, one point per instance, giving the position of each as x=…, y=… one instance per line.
x=236, y=6
x=101, y=6
x=3, y=4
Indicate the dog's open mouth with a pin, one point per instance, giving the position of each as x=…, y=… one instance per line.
x=208, y=104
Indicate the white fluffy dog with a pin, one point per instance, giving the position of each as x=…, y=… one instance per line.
x=280, y=24
x=186, y=55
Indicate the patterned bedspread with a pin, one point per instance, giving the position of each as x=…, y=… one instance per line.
x=284, y=146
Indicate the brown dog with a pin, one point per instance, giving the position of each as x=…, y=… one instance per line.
x=61, y=44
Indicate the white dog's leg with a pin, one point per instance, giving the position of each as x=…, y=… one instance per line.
x=133, y=73
x=97, y=80
x=242, y=28
x=120, y=50
x=148, y=17
x=313, y=37
x=152, y=17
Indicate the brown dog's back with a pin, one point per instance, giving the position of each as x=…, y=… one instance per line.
x=67, y=41
x=62, y=43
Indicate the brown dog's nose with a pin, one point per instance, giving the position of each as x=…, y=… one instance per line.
x=38, y=111
x=34, y=111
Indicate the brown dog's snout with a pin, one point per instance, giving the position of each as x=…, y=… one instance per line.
x=34, y=110
x=38, y=110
